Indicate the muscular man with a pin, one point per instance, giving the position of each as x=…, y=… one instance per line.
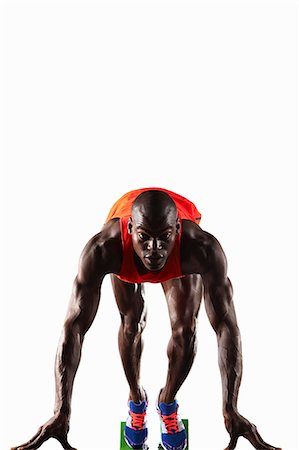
x=153, y=235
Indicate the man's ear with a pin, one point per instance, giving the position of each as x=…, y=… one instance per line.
x=130, y=225
x=178, y=225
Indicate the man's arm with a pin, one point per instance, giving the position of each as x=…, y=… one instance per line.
x=81, y=312
x=218, y=294
x=95, y=262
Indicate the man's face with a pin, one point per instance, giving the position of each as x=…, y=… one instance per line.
x=153, y=242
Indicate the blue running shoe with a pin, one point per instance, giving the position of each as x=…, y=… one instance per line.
x=135, y=430
x=173, y=433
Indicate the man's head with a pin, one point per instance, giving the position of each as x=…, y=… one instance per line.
x=153, y=225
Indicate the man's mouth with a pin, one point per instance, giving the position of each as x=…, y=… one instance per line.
x=154, y=261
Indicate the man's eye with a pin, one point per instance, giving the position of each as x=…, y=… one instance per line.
x=142, y=236
x=165, y=236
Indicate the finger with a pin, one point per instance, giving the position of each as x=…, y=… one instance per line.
x=232, y=443
x=43, y=436
x=28, y=442
x=64, y=442
x=265, y=443
x=256, y=440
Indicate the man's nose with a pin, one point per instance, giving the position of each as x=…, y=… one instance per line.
x=154, y=245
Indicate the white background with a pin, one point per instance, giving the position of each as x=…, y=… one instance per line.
x=101, y=98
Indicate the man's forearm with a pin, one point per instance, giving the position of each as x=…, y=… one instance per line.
x=230, y=364
x=80, y=315
x=66, y=364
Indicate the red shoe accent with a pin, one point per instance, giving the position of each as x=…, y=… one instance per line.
x=137, y=420
x=171, y=423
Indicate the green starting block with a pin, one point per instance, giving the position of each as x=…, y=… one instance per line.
x=124, y=445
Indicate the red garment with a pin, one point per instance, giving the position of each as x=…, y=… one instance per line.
x=172, y=269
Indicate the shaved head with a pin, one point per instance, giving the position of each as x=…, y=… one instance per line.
x=155, y=207
x=154, y=225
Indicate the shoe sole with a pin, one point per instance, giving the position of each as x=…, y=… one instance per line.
x=161, y=446
x=144, y=446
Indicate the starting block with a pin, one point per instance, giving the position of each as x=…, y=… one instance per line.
x=124, y=445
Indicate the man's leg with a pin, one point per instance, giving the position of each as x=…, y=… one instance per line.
x=132, y=310
x=183, y=297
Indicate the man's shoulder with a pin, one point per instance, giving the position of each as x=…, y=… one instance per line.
x=110, y=230
x=109, y=238
x=192, y=232
x=197, y=247
x=105, y=248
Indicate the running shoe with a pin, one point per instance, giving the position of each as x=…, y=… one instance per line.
x=173, y=433
x=135, y=430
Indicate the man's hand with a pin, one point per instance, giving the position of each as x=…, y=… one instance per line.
x=238, y=426
x=57, y=427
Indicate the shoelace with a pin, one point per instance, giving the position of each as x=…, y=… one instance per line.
x=137, y=420
x=171, y=422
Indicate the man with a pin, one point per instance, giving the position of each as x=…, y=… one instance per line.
x=153, y=235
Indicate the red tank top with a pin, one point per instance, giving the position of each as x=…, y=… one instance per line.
x=172, y=268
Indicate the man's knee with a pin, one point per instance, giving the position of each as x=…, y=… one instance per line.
x=132, y=328
x=184, y=333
